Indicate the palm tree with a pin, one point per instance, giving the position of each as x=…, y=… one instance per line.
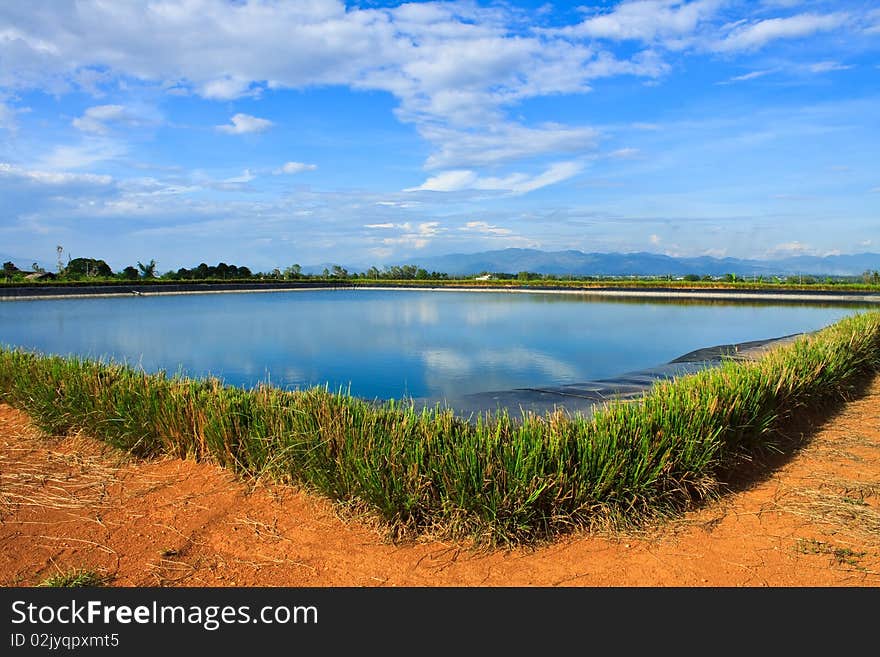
x=148, y=270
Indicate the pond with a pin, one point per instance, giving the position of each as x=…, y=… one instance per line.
x=395, y=343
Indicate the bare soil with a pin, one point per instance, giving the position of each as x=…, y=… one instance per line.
x=808, y=517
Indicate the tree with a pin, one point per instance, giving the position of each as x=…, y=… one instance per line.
x=148, y=270
x=9, y=268
x=339, y=272
x=130, y=273
x=87, y=267
x=294, y=271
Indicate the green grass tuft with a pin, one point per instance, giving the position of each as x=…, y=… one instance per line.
x=74, y=578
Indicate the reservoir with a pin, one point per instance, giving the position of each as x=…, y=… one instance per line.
x=397, y=343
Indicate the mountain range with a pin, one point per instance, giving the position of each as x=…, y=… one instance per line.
x=578, y=263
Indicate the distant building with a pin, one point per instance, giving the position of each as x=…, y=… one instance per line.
x=484, y=277
x=40, y=276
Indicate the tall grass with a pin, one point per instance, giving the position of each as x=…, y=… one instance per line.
x=499, y=479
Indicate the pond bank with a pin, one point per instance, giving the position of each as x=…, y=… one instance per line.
x=718, y=294
x=585, y=397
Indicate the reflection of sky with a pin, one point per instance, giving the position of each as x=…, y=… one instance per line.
x=390, y=343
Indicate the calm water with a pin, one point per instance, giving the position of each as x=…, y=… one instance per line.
x=392, y=343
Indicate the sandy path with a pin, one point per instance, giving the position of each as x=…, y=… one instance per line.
x=812, y=520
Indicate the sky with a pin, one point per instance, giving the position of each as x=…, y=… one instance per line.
x=267, y=133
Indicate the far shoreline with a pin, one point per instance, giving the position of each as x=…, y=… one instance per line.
x=32, y=293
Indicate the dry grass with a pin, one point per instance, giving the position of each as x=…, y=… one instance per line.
x=837, y=502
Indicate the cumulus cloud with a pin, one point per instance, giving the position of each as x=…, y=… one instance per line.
x=295, y=167
x=241, y=124
x=225, y=88
x=454, y=68
x=646, y=20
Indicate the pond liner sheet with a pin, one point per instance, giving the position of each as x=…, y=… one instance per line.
x=583, y=398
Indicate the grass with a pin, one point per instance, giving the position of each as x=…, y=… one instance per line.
x=499, y=479
x=76, y=577
x=562, y=282
x=841, y=556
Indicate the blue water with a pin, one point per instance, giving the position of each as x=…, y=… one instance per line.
x=394, y=343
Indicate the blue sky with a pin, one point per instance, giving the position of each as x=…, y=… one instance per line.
x=270, y=133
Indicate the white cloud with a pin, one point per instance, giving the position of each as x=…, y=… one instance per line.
x=97, y=119
x=385, y=225
x=82, y=155
x=646, y=20
x=226, y=88
x=455, y=69
x=485, y=228
x=752, y=75
x=296, y=167
x=624, y=154
x=245, y=177
x=53, y=177
x=828, y=66
x=398, y=204
x=751, y=36
x=245, y=123
x=791, y=248
x=873, y=18
x=448, y=181
x=516, y=183
x=715, y=253
x=504, y=143
x=418, y=239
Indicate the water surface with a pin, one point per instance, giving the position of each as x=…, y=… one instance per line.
x=394, y=343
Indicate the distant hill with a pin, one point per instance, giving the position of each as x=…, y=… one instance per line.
x=578, y=263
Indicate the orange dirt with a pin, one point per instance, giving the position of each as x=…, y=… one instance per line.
x=812, y=519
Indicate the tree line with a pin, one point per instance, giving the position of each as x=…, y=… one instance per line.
x=79, y=269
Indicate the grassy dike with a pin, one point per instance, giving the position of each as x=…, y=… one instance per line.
x=499, y=480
